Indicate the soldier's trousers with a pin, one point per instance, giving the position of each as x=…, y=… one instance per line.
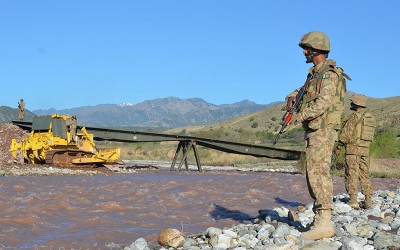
x=318, y=154
x=21, y=115
x=358, y=169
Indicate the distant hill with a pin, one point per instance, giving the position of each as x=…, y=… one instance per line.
x=158, y=113
x=261, y=126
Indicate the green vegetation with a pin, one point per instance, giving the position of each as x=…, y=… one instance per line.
x=386, y=144
x=337, y=172
x=254, y=125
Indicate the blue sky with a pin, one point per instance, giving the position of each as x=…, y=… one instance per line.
x=65, y=54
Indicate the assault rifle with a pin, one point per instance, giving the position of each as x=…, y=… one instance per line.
x=288, y=116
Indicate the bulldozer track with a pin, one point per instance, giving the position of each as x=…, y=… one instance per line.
x=64, y=157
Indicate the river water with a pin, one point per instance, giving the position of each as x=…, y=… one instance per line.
x=97, y=212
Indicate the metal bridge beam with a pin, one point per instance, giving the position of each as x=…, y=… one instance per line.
x=185, y=143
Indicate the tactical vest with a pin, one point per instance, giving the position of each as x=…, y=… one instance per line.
x=363, y=134
x=367, y=129
x=331, y=118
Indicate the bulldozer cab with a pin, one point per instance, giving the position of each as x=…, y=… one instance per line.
x=54, y=124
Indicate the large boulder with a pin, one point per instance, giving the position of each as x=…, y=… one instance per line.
x=171, y=238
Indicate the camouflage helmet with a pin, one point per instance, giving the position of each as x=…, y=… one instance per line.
x=359, y=100
x=316, y=40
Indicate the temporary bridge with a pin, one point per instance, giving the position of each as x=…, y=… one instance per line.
x=185, y=144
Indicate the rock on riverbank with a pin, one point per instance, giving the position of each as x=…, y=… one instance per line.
x=375, y=228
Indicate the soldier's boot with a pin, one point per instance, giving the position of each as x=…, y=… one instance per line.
x=368, y=202
x=353, y=203
x=316, y=220
x=323, y=226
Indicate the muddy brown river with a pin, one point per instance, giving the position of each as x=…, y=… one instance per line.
x=93, y=212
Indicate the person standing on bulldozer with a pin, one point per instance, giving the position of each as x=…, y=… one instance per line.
x=320, y=111
x=21, y=109
x=357, y=135
x=72, y=129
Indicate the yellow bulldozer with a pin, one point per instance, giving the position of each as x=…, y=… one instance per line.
x=50, y=142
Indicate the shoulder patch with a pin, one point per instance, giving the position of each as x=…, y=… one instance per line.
x=326, y=75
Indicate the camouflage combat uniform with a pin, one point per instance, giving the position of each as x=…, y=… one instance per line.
x=72, y=129
x=357, y=135
x=321, y=109
x=21, y=109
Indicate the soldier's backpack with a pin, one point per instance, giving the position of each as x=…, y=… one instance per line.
x=368, y=124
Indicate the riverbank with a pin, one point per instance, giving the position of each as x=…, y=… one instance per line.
x=280, y=228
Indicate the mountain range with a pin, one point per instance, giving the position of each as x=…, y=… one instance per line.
x=164, y=113
x=172, y=112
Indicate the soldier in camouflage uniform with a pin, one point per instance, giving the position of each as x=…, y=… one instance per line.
x=356, y=136
x=21, y=110
x=73, y=128
x=321, y=109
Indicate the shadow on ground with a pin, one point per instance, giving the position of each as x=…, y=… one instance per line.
x=220, y=213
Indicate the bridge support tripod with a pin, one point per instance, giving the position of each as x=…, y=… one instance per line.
x=185, y=146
